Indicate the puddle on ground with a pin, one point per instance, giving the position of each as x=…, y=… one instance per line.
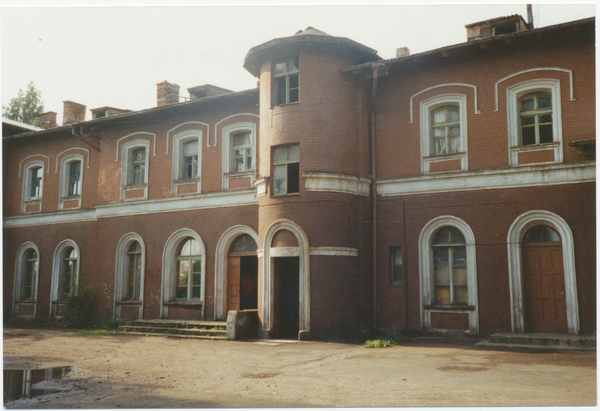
x=30, y=383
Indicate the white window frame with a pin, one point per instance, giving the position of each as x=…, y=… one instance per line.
x=169, y=271
x=65, y=165
x=127, y=168
x=121, y=271
x=227, y=138
x=27, y=183
x=426, y=272
x=178, y=164
x=287, y=76
x=513, y=94
x=57, y=271
x=285, y=163
x=18, y=279
x=426, y=108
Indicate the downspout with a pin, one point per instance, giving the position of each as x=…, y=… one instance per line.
x=375, y=67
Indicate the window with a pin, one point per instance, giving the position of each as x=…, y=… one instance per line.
x=138, y=167
x=35, y=174
x=241, y=153
x=286, y=169
x=445, y=130
x=29, y=275
x=444, y=137
x=68, y=273
x=450, y=267
x=134, y=271
x=396, y=265
x=287, y=86
x=534, y=122
x=535, y=118
x=190, y=159
x=189, y=270
x=74, y=179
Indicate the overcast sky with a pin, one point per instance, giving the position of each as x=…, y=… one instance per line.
x=114, y=56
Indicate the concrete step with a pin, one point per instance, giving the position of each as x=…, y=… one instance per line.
x=197, y=324
x=199, y=337
x=540, y=340
x=145, y=329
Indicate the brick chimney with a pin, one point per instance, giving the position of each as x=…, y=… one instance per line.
x=46, y=120
x=166, y=93
x=73, y=112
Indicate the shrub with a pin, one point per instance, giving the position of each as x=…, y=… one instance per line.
x=78, y=307
x=110, y=325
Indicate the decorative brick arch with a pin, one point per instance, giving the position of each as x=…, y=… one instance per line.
x=515, y=268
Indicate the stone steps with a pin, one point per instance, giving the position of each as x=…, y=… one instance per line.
x=208, y=330
x=548, y=341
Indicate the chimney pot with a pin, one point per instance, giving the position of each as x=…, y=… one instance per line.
x=402, y=52
x=166, y=93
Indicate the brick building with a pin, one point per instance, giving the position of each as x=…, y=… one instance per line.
x=450, y=190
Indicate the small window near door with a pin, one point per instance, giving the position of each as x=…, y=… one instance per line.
x=243, y=244
x=396, y=265
x=541, y=234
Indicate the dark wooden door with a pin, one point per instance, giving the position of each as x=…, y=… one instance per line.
x=544, y=282
x=287, y=297
x=233, y=284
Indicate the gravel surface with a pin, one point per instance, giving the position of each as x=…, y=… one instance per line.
x=117, y=371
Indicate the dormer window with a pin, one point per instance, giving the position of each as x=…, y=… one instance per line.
x=286, y=81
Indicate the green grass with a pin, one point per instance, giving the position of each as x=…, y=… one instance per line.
x=384, y=342
x=95, y=332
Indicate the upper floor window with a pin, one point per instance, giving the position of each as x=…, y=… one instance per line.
x=74, y=179
x=535, y=118
x=241, y=153
x=286, y=169
x=445, y=130
x=286, y=81
x=190, y=160
x=138, y=167
x=35, y=177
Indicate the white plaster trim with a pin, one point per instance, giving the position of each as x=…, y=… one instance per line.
x=477, y=111
x=337, y=183
x=426, y=269
x=50, y=218
x=19, y=267
x=570, y=72
x=169, y=267
x=121, y=267
x=133, y=134
x=68, y=149
x=334, y=251
x=284, y=252
x=56, y=271
x=221, y=266
x=175, y=204
x=231, y=116
x=261, y=187
x=189, y=122
x=525, y=176
x=516, y=91
x=177, y=161
x=514, y=241
x=226, y=133
x=426, y=107
x=267, y=288
x=33, y=155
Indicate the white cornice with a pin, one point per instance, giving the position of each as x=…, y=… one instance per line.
x=516, y=177
x=337, y=183
x=50, y=218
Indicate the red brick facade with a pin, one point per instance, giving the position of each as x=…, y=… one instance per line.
x=313, y=210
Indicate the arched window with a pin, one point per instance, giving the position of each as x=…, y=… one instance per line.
x=450, y=267
x=68, y=272
x=134, y=272
x=243, y=244
x=190, y=160
x=445, y=130
x=541, y=234
x=29, y=275
x=535, y=118
x=138, y=167
x=188, y=279
x=74, y=179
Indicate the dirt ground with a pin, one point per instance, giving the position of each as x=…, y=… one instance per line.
x=112, y=371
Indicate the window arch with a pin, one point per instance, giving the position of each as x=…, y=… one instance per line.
x=448, y=270
x=26, y=281
x=130, y=275
x=184, y=266
x=65, y=272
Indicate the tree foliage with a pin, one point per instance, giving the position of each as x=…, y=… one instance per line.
x=26, y=106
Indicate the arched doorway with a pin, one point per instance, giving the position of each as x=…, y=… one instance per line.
x=544, y=281
x=242, y=273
